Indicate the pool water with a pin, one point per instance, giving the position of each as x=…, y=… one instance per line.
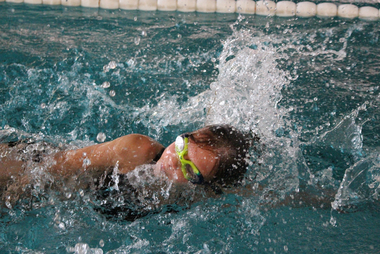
x=308, y=87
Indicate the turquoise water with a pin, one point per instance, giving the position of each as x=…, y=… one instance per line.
x=308, y=87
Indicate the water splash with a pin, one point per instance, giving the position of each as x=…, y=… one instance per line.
x=360, y=185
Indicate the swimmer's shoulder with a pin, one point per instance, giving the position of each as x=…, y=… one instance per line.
x=138, y=142
x=135, y=149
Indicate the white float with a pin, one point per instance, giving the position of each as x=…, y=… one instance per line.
x=15, y=1
x=369, y=13
x=206, y=5
x=225, y=6
x=167, y=5
x=51, y=2
x=246, y=6
x=33, y=1
x=108, y=4
x=327, y=10
x=286, y=9
x=147, y=5
x=128, y=4
x=306, y=9
x=265, y=8
x=90, y=3
x=349, y=11
x=186, y=5
x=68, y=2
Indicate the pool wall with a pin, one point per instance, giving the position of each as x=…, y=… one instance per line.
x=281, y=8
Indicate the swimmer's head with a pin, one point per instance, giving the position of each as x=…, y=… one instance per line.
x=219, y=152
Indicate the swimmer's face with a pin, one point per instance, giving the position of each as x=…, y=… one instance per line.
x=170, y=165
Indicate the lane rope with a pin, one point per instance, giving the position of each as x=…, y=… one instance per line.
x=264, y=8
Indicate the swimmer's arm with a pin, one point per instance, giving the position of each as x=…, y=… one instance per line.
x=128, y=152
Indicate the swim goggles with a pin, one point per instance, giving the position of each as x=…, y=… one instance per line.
x=189, y=170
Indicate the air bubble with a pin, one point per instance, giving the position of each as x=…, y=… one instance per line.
x=101, y=243
x=101, y=137
x=106, y=84
x=112, y=93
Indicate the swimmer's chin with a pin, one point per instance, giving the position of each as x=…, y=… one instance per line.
x=160, y=173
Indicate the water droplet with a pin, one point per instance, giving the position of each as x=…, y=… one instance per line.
x=8, y=204
x=61, y=225
x=106, y=84
x=101, y=137
x=137, y=40
x=333, y=221
x=131, y=62
x=143, y=33
x=86, y=162
x=112, y=65
x=82, y=248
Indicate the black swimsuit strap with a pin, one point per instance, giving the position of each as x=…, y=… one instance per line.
x=159, y=154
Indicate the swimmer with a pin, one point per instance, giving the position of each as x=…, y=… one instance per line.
x=213, y=154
